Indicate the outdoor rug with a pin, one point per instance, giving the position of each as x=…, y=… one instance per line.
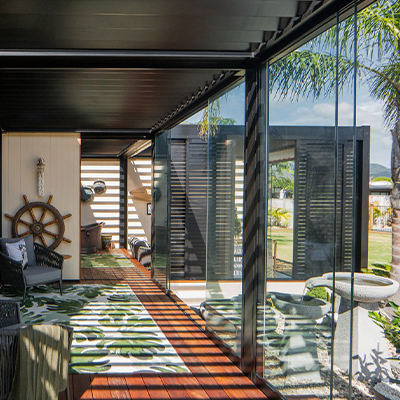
x=113, y=332
x=104, y=261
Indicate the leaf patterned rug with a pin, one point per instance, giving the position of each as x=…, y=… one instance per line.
x=113, y=332
x=104, y=261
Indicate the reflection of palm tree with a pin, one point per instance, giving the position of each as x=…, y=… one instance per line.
x=313, y=70
x=211, y=119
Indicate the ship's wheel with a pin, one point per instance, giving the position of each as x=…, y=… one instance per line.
x=35, y=218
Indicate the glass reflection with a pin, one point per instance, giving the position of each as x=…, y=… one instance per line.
x=309, y=226
x=225, y=217
x=161, y=210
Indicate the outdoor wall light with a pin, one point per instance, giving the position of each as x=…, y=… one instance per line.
x=40, y=171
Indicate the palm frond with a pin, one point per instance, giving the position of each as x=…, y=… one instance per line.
x=304, y=73
x=384, y=85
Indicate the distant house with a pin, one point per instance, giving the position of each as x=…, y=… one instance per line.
x=379, y=193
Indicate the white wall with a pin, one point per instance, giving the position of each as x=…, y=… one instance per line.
x=139, y=176
x=61, y=152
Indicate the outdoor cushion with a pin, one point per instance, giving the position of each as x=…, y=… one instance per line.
x=36, y=275
x=17, y=251
x=29, y=247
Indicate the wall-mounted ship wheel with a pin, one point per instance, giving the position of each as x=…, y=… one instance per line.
x=36, y=218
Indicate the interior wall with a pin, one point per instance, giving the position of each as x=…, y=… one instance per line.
x=105, y=207
x=139, y=177
x=61, y=152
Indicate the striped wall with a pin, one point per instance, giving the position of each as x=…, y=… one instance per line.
x=139, y=176
x=104, y=208
x=239, y=188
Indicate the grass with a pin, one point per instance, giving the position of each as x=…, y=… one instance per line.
x=379, y=246
x=284, y=239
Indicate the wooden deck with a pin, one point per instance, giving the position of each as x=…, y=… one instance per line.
x=213, y=375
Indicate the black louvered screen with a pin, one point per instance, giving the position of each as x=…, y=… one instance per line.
x=196, y=209
x=222, y=207
x=314, y=220
x=178, y=207
x=315, y=202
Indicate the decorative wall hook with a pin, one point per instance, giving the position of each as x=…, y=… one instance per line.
x=40, y=171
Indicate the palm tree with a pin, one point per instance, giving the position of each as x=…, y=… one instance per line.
x=310, y=71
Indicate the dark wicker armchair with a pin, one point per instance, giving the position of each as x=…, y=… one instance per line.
x=10, y=323
x=9, y=318
x=48, y=268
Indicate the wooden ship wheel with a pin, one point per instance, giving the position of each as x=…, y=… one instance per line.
x=35, y=218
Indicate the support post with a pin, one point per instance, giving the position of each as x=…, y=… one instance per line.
x=254, y=217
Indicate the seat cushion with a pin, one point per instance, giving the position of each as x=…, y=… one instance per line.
x=29, y=247
x=35, y=275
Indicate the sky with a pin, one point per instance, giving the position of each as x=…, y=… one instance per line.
x=320, y=112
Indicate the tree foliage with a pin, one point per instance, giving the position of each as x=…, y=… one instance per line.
x=211, y=119
x=311, y=71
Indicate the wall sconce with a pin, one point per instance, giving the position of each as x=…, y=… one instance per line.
x=40, y=171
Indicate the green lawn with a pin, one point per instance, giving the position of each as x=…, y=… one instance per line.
x=284, y=239
x=379, y=246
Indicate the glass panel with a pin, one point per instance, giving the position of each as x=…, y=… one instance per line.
x=310, y=222
x=225, y=216
x=161, y=210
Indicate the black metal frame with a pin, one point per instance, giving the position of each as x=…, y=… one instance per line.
x=254, y=215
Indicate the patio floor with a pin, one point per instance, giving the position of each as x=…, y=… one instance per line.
x=213, y=375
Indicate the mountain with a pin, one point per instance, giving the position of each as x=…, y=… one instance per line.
x=379, y=170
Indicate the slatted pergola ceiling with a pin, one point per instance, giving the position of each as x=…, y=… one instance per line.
x=124, y=64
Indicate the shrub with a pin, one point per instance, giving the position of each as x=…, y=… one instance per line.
x=391, y=328
x=319, y=293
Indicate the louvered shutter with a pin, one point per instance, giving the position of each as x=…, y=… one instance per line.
x=178, y=207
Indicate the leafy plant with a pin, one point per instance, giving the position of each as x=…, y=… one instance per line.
x=279, y=217
x=379, y=269
x=282, y=176
x=381, y=179
x=319, y=293
x=391, y=328
x=237, y=229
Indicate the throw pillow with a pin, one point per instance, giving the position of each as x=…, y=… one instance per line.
x=17, y=251
x=29, y=247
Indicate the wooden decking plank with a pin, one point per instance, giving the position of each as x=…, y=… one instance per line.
x=118, y=387
x=100, y=387
x=174, y=388
x=137, y=387
x=155, y=387
x=81, y=386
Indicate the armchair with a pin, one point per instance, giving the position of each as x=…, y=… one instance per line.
x=10, y=325
x=47, y=269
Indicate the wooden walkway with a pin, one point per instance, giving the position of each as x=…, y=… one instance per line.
x=213, y=375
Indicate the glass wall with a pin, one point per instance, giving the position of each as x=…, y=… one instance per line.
x=161, y=210
x=225, y=216
x=306, y=327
